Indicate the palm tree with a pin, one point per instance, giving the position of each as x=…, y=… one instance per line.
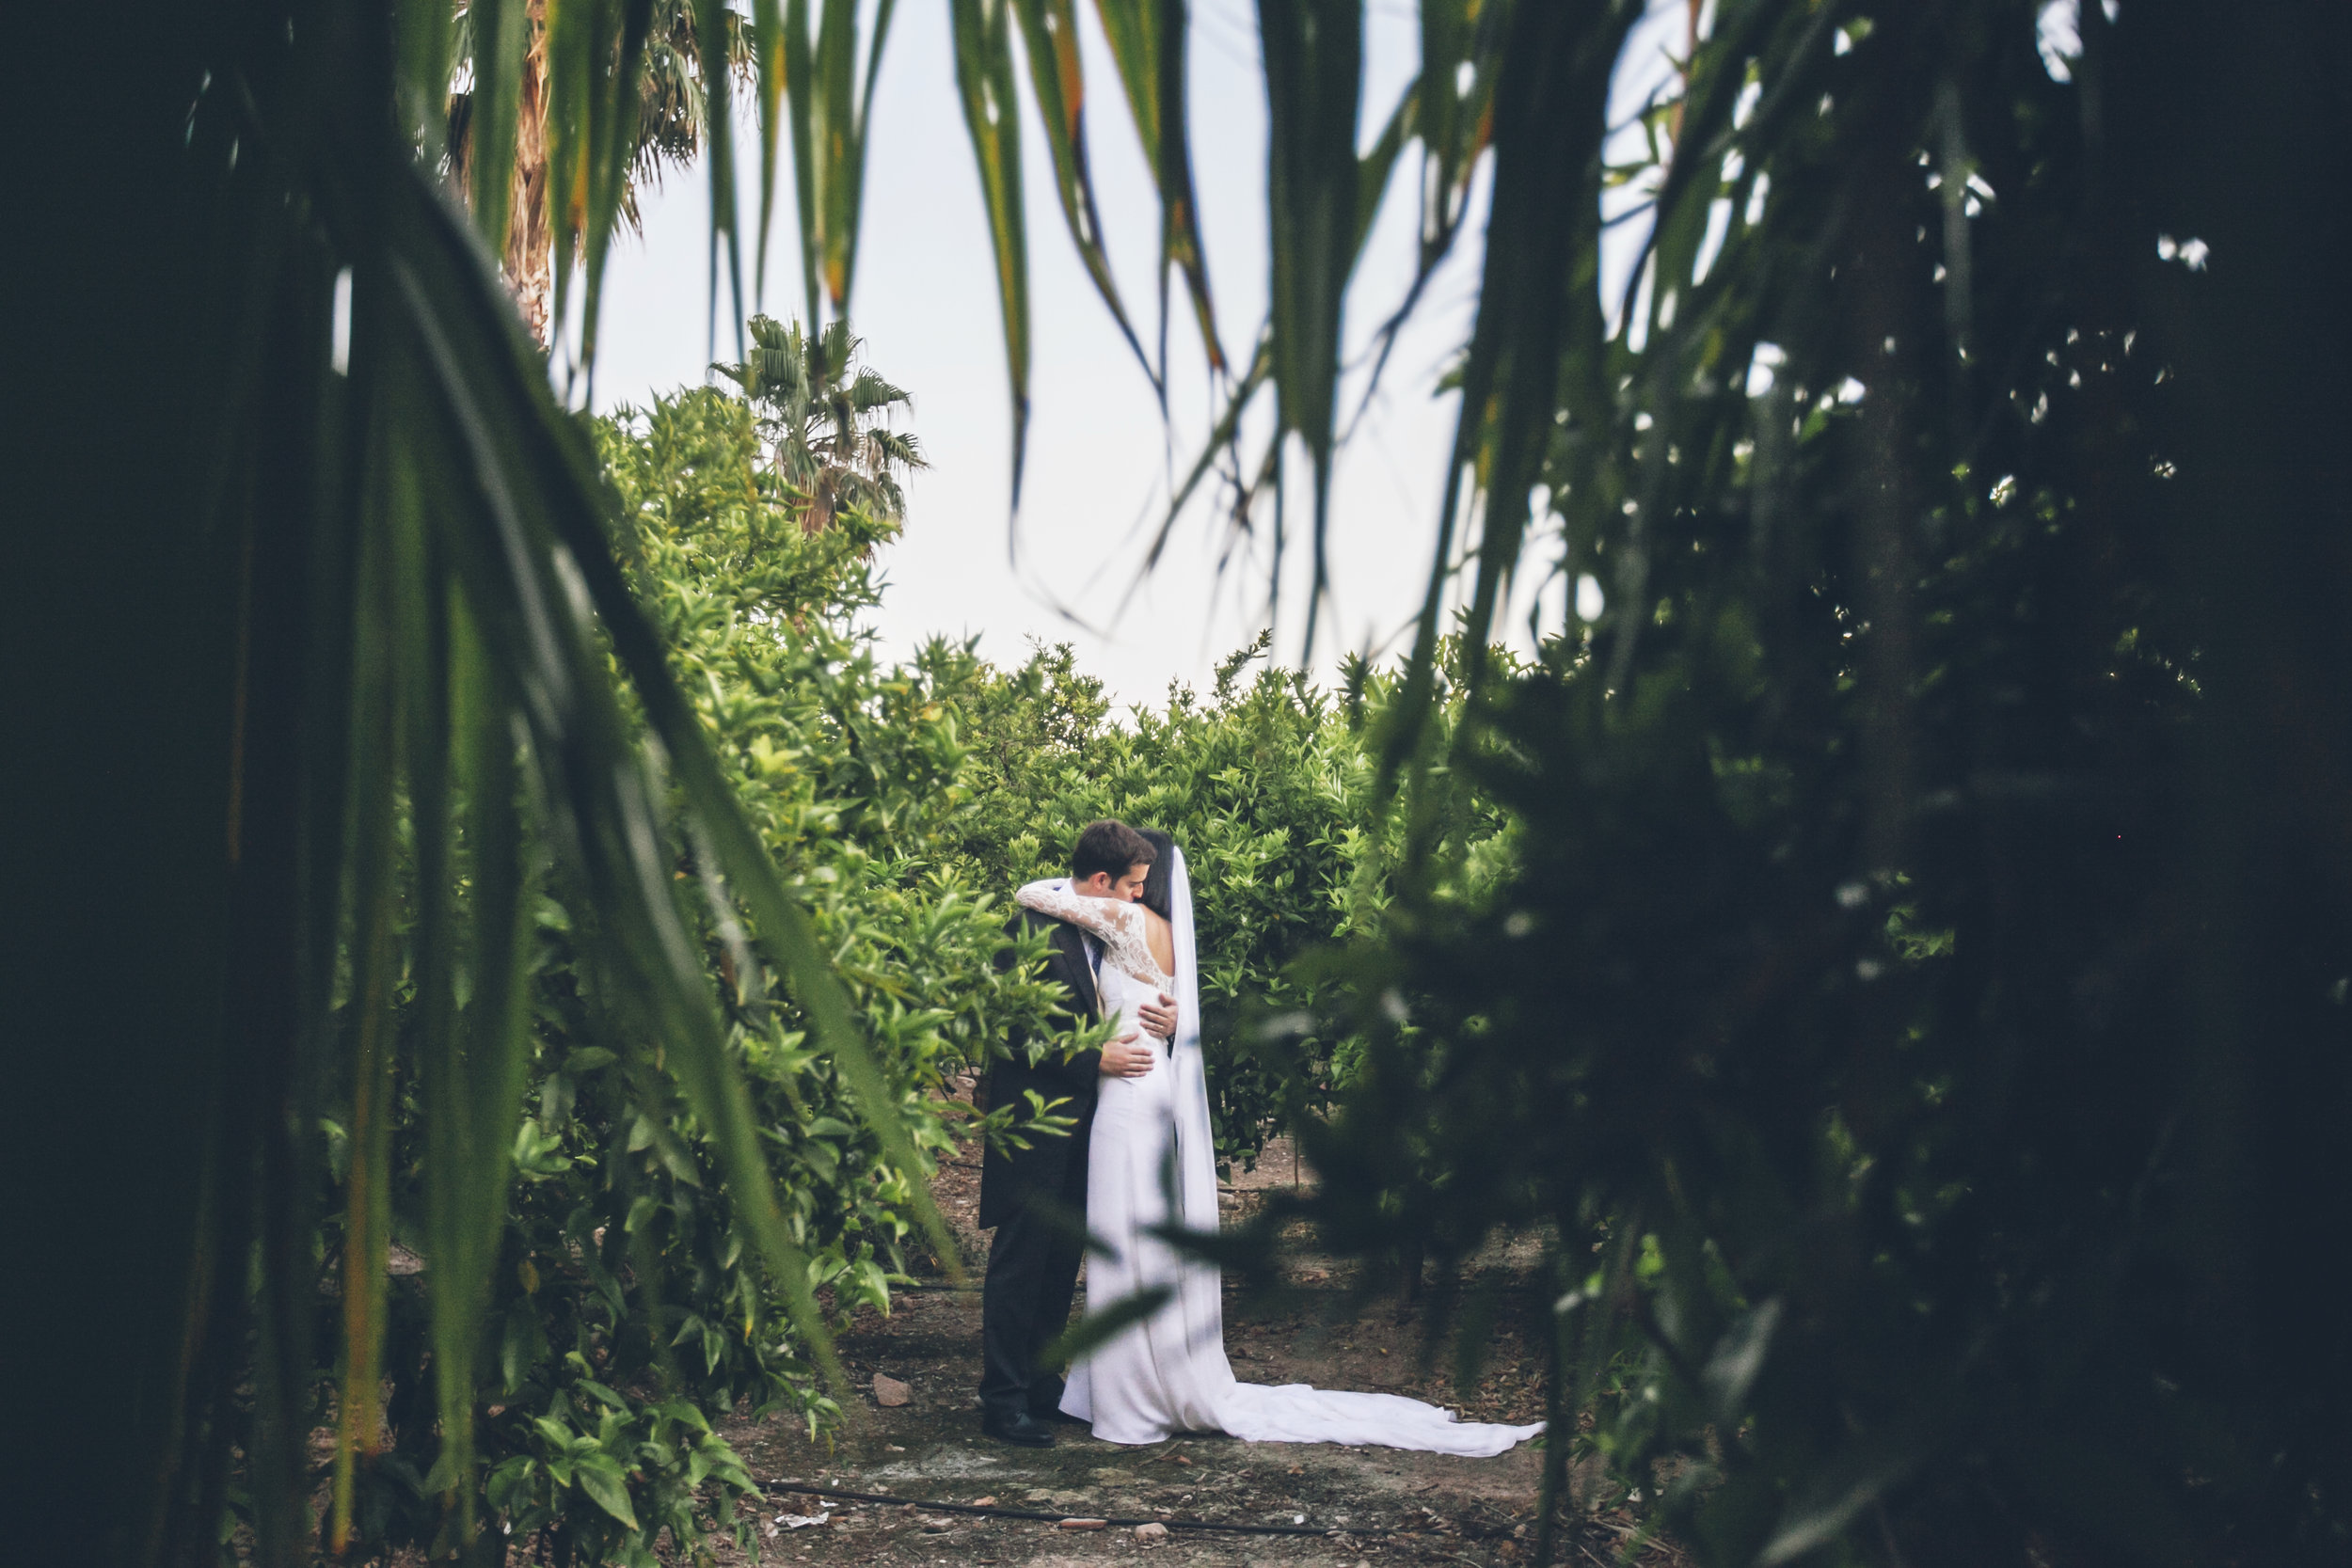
x=669, y=133
x=826, y=416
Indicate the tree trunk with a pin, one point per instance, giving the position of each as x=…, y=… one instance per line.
x=529, y=262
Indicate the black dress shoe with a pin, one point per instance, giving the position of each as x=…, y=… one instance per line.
x=1017, y=1427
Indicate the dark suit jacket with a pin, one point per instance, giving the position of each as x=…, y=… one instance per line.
x=1006, y=1180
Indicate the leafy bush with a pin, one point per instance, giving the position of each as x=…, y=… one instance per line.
x=625, y=1309
x=1915, y=1017
x=902, y=804
x=1270, y=788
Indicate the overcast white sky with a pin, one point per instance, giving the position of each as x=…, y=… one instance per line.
x=925, y=300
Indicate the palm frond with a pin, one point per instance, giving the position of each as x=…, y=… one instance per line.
x=870, y=391
x=1049, y=36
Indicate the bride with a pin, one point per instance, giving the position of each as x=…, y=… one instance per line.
x=1151, y=1145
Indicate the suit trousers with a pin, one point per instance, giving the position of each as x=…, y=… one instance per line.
x=1032, y=1278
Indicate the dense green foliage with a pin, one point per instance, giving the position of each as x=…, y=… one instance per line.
x=1268, y=786
x=902, y=805
x=1916, y=1016
x=625, y=1302
x=906, y=803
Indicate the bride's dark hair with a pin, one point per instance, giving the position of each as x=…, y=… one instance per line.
x=1159, y=888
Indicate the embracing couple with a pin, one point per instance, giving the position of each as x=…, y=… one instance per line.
x=1140, y=1159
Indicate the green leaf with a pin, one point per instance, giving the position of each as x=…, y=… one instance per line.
x=711, y=42
x=602, y=1395
x=368, y=1217
x=1835, y=1497
x=992, y=116
x=828, y=106
x=1737, y=1359
x=502, y=37
x=1314, y=55
x=1150, y=42
x=771, y=81
x=605, y=1484
x=1550, y=115
x=474, y=1093
x=615, y=127
x=800, y=75
x=1049, y=36
x=424, y=43
x=1098, y=1328
x=522, y=1345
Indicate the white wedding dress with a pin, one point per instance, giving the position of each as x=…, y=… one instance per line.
x=1152, y=1159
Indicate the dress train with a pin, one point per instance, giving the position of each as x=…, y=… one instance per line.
x=1150, y=1161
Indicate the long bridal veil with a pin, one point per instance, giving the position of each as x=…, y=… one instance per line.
x=1199, y=1289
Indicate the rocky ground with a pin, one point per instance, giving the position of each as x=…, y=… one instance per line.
x=1334, y=1505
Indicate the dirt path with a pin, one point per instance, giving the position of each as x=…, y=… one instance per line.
x=1366, y=1506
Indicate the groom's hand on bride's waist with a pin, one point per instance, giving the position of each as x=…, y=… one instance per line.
x=1159, y=1018
x=1127, y=1057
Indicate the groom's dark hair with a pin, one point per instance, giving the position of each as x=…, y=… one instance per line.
x=1109, y=846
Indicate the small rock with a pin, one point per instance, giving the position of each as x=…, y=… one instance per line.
x=889, y=1392
x=1182, y=1460
x=1083, y=1523
x=983, y=1502
x=1153, y=1531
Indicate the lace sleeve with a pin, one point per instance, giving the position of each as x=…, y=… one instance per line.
x=1119, y=924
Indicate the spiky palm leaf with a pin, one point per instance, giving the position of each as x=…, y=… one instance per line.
x=385, y=549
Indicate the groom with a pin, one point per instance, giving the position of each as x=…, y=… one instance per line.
x=1036, y=1199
